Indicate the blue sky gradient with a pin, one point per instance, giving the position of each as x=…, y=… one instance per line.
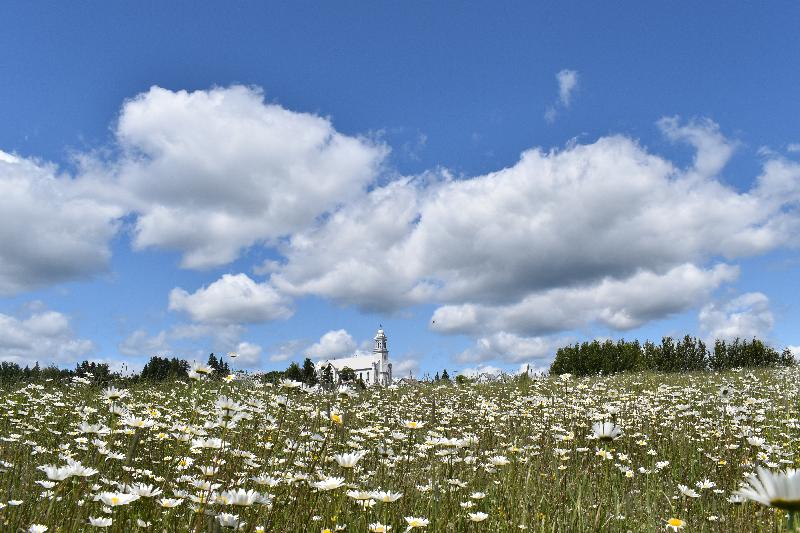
x=447, y=87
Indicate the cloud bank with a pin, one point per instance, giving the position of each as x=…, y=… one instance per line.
x=605, y=233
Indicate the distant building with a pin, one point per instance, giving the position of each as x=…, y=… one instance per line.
x=374, y=369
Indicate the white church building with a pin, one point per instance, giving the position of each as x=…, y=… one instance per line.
x=374, y=369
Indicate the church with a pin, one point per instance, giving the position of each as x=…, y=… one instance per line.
x=374, y=369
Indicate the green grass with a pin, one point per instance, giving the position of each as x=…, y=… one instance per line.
x=554, y=480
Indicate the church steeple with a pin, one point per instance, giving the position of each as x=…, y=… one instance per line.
x=380, y=347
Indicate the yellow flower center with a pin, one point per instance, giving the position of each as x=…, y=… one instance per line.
x=675, y=522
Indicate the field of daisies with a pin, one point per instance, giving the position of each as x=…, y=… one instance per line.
x=637, y=452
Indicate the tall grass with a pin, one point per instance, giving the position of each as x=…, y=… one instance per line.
x=520, y=452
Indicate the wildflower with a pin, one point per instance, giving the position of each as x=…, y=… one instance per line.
x=359, y=495
x=329, y=483
x=79, y=470
x=675, y=524
x=207, y=470
x=416, y=522
x=606, y=431
x=37, y=528
x=386, y=496
x=169, y=503
x=203, y=370
x=230, y=520
x=377, y=527
x=498, y=460
x=478, y=517
x=113, y=394
x=336, y=418
x=147, y=491
x=100, y=522
x=413, y=424
x=290, y=384
x=97, y=429
x=686, y=491
x=240, y=497
x=348, y=460
x=705, y=484
x=114, y=499
x=56, y=473
x=775, y=489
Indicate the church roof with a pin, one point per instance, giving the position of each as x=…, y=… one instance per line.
x=356, y=362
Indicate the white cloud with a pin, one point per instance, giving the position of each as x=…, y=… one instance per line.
x=249, y=354
x=793, y=147
x=231, y=299
x=567, y=83
x=43, y=336
x=194, y=341
x=587, y=223
x=49, y=231
x=212, y=172
x=712, y=149
x=474, y=372
x=617, y=304
x=795, y=351
x=285, y=350
x=510, y=348
x=336, y=343
x=140, y=344
x=405, y=367
x=745, y=316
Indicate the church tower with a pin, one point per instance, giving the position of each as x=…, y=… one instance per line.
x=380, y=353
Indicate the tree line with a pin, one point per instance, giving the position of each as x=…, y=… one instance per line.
x=687, y=354
x=156, y=369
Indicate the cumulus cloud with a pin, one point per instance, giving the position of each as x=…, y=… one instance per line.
x=745, y=316
x=211, y=172
x=249, y=354
x=603, y=232
x=618, y=304
x=332, y=344
x=43, y=336
x=712, y=148
x=285, y=350
x=405, y=367
x=232, y=299
x=141, y=344
x=193, y=341
x=474, y=372
x=510, y=348
x=49, y=231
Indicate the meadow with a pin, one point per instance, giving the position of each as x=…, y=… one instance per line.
x=628, y=452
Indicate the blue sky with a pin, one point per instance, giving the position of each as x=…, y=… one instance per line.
x=280, y=179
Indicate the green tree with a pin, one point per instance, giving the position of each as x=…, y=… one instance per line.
x=347, y=374
x=327, y=376
x=294, y=372
x=309, y=372
x=445, y=375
